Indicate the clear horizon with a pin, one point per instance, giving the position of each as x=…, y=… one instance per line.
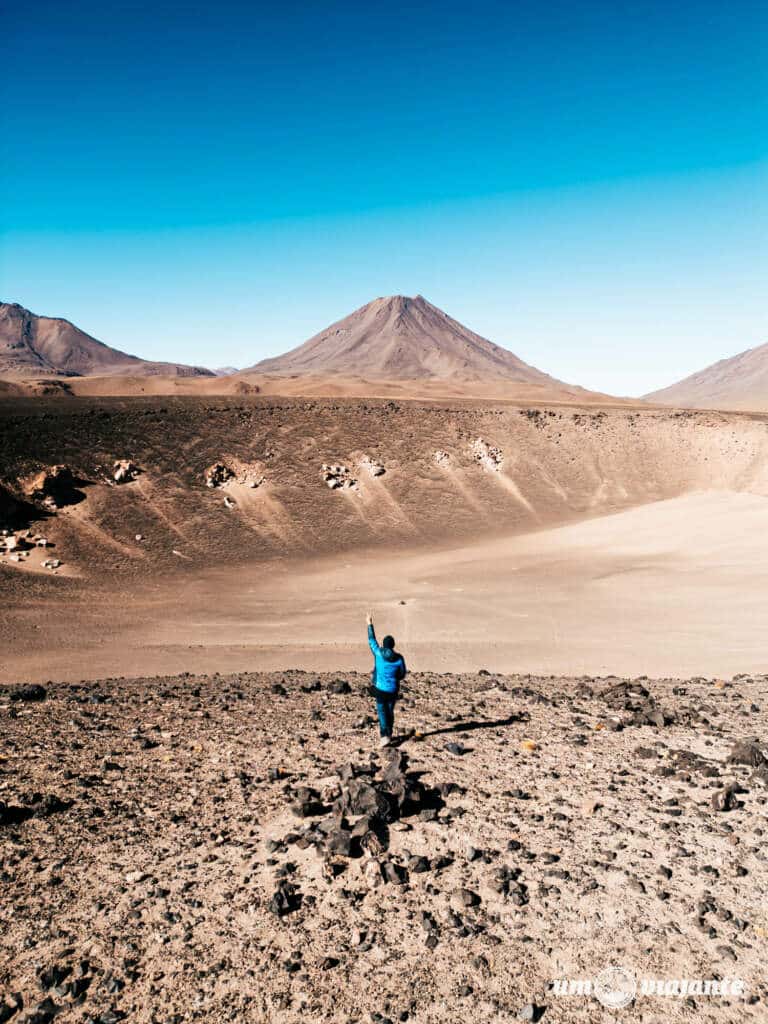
x=586, y=187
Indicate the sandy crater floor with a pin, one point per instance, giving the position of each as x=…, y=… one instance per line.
x=672, y=588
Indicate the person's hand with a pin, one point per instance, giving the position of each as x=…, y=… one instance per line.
x=369, y=619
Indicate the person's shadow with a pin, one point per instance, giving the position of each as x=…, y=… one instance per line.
x=496, y=723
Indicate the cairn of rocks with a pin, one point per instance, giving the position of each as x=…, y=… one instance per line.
x=352, y=819
x=633, y=697
x=218, y=474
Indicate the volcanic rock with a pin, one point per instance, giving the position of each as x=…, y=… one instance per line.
x=725, y=799
x=55, y=487
x=29, y=694
x=750, y=752
x=285, y=899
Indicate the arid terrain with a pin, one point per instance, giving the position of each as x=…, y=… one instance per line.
x=393, y=347
x=234, y=847
x=197, y=822
x=396, y=346
x=405, y=338
x=253, y=534
x=47, y=347
x=739, y=382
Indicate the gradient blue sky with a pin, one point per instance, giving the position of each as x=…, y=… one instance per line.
x=586, y=184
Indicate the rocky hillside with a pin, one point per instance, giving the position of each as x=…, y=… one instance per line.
x=42, y=346
x=299, y=477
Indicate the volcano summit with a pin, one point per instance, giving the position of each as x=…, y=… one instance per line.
x=405, y=338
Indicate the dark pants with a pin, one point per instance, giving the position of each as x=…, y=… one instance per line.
x=385, y=710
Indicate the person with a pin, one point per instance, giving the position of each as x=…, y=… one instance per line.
x=388, y=672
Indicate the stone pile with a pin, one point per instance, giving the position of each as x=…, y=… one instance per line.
x=18, y=545
x=217, y=474
x=489, y=456
x=633, y=697
x=338, y=477
x=224, y=472
x=352, y=818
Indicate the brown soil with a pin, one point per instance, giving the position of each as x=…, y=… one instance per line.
x=564, y=826
x=539, y=538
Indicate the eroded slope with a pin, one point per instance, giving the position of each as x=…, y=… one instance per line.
x=449, y=472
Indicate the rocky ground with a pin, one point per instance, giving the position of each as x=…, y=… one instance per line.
x=238, y=848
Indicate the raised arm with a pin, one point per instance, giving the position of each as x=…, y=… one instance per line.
x=372, y=641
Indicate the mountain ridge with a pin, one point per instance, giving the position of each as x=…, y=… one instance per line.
x=43, y=346
x=736, y=382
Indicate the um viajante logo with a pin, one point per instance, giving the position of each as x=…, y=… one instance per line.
x=617, y=987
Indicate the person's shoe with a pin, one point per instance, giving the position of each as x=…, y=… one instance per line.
x=384, y=741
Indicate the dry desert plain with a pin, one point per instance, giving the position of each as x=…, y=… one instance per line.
x=196, y=821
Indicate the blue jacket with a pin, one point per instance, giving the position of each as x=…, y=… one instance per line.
x=389, y=666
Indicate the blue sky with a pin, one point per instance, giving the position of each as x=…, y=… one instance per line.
x=583, y=183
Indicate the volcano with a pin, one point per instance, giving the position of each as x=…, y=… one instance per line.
x=402, y=338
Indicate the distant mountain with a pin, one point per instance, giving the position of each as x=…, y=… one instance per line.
x=41, y=346
x=225, y=371
x=740, y=382
x=400, y=338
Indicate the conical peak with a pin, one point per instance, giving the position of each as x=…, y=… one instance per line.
x=405, y=337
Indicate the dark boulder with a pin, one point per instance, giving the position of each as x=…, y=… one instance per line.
x=750, y=752
x=285, y=899
x=29, y=694
x=725, y=799
x=339, y=843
